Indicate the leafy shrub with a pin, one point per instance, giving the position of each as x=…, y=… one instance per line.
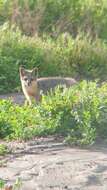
x=87, y=58
x=76, y=113
x=80, y=57
x=16, y=50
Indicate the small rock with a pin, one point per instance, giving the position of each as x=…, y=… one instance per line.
x=8, y=187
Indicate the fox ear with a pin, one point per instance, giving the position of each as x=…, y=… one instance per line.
x=35, y=72
x=22, y=71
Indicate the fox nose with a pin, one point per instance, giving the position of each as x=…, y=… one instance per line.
x=29, y=82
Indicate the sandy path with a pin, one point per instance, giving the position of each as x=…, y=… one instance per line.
x=47, y=164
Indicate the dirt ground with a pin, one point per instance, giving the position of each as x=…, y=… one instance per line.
x=17, y=98
x=49, y=164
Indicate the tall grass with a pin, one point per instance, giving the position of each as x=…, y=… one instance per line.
x=54, y=17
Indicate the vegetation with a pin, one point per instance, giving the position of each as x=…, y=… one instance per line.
x=61, y=38
x=16, y=186
x=54, y=17
x=79, y=58
x=2, y=183
x=78, y=113
x=66, y=38
x=3, y=149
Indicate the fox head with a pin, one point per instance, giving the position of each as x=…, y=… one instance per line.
x=28, y=77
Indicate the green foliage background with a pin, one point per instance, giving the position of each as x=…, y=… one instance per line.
x=61, y=38
x=56, y=16
x=80, y=58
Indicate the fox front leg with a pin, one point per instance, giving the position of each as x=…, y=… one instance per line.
x=28, y=102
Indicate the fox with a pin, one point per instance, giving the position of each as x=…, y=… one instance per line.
x=29, y=84
x=32, y=85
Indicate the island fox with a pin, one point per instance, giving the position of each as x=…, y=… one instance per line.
x=32, y=85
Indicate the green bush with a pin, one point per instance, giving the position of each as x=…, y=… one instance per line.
x=16, y=50
x=77, y=113
x=87, y=58
x=81, y=57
